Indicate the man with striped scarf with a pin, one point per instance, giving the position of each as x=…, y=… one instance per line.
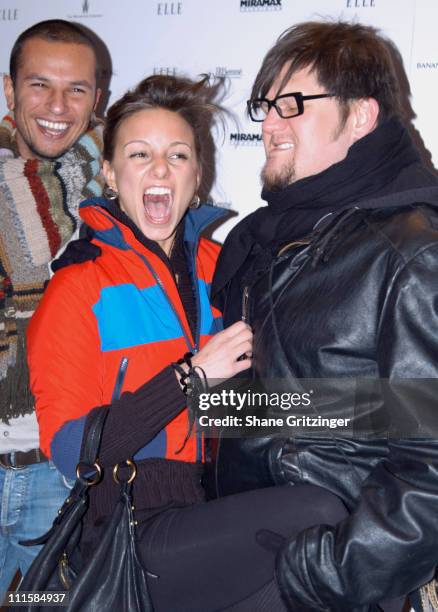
x=50, y=146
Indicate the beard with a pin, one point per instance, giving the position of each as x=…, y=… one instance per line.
x=40, y=154
x=277, y=180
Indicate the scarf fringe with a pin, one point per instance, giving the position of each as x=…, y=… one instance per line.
x=15, y=396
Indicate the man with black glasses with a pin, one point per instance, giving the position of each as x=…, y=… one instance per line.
x=338, y=278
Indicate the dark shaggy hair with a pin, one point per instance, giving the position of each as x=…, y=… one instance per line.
x=350, y=60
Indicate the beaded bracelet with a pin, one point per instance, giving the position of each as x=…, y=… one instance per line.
x=185, y=377
x=192, y=381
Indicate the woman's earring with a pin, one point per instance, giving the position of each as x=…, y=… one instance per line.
x=109, y=193
x=195, y=203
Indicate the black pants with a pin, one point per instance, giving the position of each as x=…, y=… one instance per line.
x=207, y=557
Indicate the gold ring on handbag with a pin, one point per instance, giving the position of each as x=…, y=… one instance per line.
x=90, y=480
x=133, y=467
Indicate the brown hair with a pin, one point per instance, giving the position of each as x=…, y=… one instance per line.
x=52, y=30
x=190, y=99
x=350, y=60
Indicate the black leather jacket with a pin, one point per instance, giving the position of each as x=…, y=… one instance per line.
x=357, y=299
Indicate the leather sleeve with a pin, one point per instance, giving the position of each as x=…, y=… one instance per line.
x=387, y=546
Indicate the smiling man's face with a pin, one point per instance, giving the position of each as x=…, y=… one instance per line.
x=305, y=145
x=53, y=96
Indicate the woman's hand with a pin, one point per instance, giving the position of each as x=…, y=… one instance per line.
x=219, y=358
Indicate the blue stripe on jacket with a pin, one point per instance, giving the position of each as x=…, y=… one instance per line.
x=129, y=316
x=67, y=442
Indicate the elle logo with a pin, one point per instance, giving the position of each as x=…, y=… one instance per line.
x=165, y=70
x=169, y=8
x=8, y=14
x=361, y=4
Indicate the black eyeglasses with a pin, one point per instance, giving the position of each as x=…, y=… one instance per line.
x=287, y=105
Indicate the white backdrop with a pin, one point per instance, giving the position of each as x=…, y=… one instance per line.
x=230, y=38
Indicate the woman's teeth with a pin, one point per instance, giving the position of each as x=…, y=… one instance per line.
x=157, y=191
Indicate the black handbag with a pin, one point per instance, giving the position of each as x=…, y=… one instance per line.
x=113, y=578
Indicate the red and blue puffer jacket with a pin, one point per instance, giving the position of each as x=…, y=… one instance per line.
x=123, y=308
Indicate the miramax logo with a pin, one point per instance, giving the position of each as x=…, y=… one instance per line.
x=260, y=5
x=245, y=138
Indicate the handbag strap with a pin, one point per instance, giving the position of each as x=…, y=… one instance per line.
x=91, y=446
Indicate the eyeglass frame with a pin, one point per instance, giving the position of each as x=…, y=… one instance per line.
x=299, y=99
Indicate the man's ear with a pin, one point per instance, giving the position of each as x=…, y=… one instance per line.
x=365, y=112
x=8, y=88
x=109, y=176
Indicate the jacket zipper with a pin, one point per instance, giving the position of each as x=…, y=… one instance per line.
x=194, y=272
x=245, y=305
x=290, y=245
x=120, y=379
x=199, y=433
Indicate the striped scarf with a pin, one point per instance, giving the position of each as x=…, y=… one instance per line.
x=38, y=215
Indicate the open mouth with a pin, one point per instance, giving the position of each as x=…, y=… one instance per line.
x=53, y=128
x=157, y=203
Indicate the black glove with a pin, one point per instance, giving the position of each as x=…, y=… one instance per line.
x=77, y=251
